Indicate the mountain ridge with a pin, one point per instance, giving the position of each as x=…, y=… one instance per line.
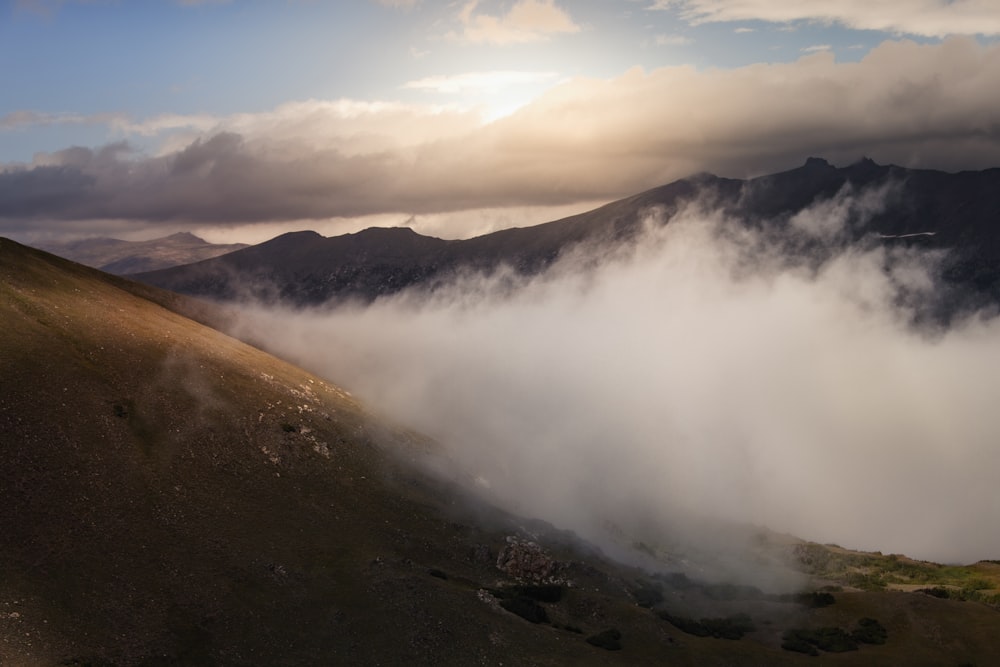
x=959, y=207
x=121, y=257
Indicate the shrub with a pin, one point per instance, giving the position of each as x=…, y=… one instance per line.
x=526, y=608
x=870, y=631
x=937, y=592
x=830, y=639
x=866, y=582
x=731, y=627
x=798, y=645
x=437, y=573
x=610, y=640
x=289, y=428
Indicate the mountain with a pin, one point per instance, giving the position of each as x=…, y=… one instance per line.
x=957, y=212
x=172, y=496
x=122, y=257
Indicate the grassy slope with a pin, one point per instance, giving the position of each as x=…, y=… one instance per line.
x=174, y=496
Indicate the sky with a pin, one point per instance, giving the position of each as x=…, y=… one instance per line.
x=242, y=119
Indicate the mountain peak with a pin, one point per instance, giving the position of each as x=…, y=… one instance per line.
x=185, y=237
x=816, y=162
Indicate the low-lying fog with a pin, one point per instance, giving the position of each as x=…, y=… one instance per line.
x=695, y=374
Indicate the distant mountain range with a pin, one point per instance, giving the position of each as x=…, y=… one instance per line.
x=958, y=212
x=121, y=257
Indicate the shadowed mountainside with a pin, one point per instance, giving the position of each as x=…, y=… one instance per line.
x=121, y=257
x=173, y=496
x=922, y=208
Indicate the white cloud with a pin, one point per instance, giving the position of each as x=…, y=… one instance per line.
x=485, y=81
x=930, y=18
x=816, y=48
x=527, y=21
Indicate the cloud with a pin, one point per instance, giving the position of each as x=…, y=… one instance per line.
x=25, y=118
x=929, y=18
x=487, y=81
x=816, y=47
x=934, y=106
x=527, y=21
x=699, y=373
x=673, y=40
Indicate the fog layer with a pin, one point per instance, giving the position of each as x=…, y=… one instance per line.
x=699, y=373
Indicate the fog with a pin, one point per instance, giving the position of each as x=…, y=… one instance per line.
x=697, y=375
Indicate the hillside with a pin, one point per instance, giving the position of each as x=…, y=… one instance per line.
x=121, y=257
x=174, y=496
x=954, y=212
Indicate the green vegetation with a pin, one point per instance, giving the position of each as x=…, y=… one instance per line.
x=874, y=571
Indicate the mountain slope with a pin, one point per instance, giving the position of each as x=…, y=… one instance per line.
x=929, y=209
x=173, y=496
x=121, y=257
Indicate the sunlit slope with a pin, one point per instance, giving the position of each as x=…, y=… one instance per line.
x=173, y=496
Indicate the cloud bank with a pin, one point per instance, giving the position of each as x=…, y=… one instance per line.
x=929, y=18
x=915, y=105
x=697, y=374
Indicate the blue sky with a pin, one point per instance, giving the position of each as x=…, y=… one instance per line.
x=504, y=111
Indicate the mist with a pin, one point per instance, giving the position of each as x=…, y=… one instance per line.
x=699, y=375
